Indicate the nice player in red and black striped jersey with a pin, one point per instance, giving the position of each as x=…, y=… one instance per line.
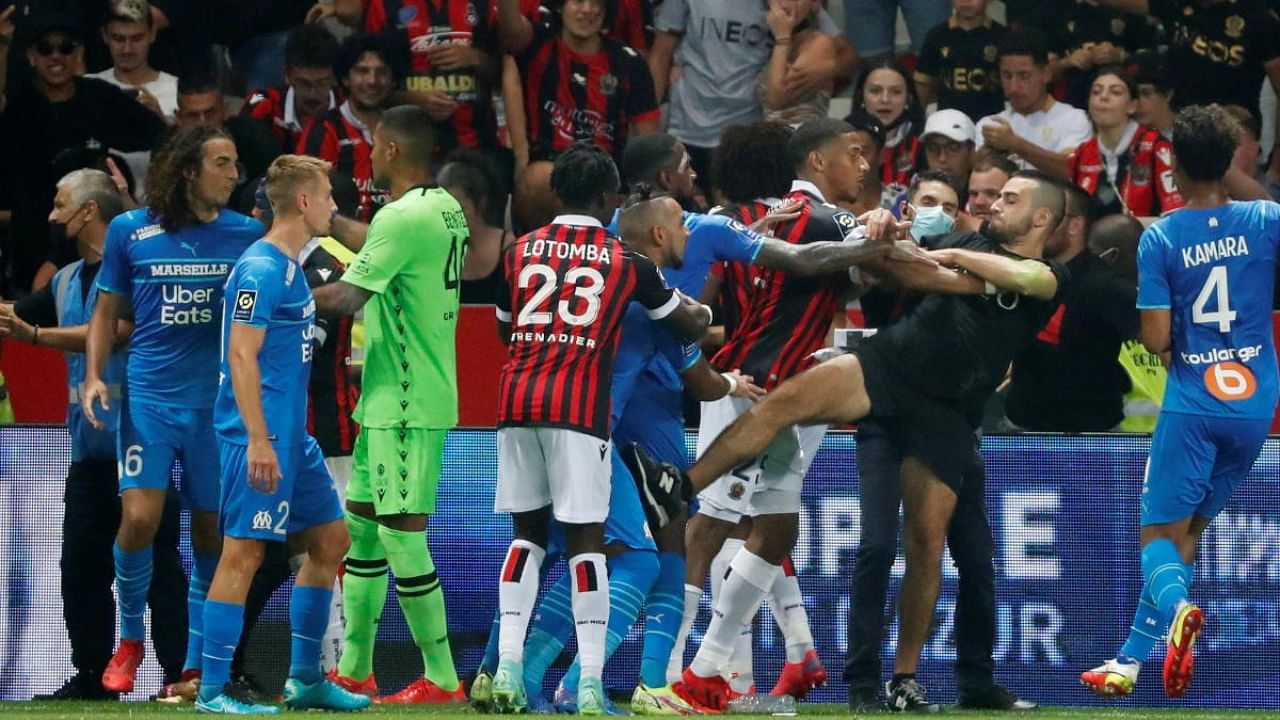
x=332, y=395
x=344, y=135
x=560, y=311
x=310, y=54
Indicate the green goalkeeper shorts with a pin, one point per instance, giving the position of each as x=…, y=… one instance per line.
x=397, y=470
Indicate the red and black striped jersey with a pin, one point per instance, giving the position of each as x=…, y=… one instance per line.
x=271, y=107
x=632, y=24
x=737, y=279
x=340, y=138
x=331, y=395
x=899, y=163
x=570, y=97
x=566, y=288
x=426, y=24
x=788, y=316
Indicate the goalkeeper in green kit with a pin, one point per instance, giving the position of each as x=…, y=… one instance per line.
x=406, y=277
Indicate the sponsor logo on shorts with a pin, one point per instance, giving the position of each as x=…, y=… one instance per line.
x=262, y=520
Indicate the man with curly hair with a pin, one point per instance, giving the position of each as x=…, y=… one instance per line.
x=169, y=263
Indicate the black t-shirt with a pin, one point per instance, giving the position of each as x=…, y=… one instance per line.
x=957, y=348
x=1217, y=51
x=1071, y=25
x=1070, y=379
x=41, y=307
x=963, y=65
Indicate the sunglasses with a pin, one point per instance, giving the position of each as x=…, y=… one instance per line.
x=66, y=47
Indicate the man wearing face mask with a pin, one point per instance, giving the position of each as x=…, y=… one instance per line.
x=933, y=207
x=57, y=316
x=1070, y=379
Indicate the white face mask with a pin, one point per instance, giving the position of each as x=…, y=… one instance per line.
x=931, y=221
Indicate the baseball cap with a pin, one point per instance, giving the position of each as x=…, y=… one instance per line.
x=1147, y=68
x=951, y=124
x=56, y=22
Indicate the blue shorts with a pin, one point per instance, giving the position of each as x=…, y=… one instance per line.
x=151, y=437
x=625, y=524
x=305, y=496
x=1196, y=463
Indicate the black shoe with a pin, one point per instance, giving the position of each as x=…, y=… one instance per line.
x=659, y=484
x=864, y=700
x=81, y=686
x=993, y=698
x=246, y=689
x=907, y=695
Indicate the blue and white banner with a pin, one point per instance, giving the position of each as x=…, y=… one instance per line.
x=1064, y=511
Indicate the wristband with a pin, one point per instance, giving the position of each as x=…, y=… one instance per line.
x=990, y=288
x=782, y=41
x=733, y=384
x=711, y=316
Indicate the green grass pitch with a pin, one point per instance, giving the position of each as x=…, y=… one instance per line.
x=90, y=710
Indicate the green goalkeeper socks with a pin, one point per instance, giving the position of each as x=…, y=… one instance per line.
x=364, y=592
x=422, y=601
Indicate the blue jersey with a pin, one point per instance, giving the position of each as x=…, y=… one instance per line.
x=1214, y=270
x=712, y=239
x=175, y=283
x=642, y=342
x=268, y=289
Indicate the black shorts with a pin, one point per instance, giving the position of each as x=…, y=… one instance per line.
x=933, y=432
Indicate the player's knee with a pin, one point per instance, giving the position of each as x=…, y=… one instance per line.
x=138, y=526
x=242, y=557
x=923, y=542
x=331, y=543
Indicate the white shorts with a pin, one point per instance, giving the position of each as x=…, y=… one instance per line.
x=566, y=469
x=768, y=485
x=340, y=470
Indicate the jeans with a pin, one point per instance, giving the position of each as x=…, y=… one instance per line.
x=871, y=25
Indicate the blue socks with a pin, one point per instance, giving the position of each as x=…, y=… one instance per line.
x=1165, y=575
x=489, y=661
x=308, y=618
x=202, y=569
x=663, y=613
x=224, y=622
x=133, y=582
x=550, y=630
x=631, y=576
x=1147, y=629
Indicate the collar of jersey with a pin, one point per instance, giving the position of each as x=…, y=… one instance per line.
x=807, y=187
x=580, y=220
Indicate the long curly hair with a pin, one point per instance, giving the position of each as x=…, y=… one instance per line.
x=174, y=168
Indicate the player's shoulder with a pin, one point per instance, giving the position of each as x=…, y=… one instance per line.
x=130, y=222
x=242, y=225
x=832, y=216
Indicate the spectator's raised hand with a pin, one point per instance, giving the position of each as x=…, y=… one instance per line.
x=6, y=24
x=998, y=135
x=1105, y=53
x=439, y=105
x=150, y=102
x=782, y=21
x=319, y=12
x=454, y=57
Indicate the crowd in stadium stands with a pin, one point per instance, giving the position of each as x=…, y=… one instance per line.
x=1084, y=91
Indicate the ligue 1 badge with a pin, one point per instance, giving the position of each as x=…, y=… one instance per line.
x=608, y=83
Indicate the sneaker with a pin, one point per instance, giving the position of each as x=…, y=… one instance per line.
x=907, y=695
x=123, y=668
x=591, y=697
x=1179, y=661
x=482, y=691
x=508, y=688
x=798, y=678
x=712, y=693
x=323, y=694
x=660, y=701
x=367, y=687
x=995, y=697
x=422, y=691
x=1111, y=679
x=224, y=704
x=865, y=700
x=660, y=485
x=183, y=691
x=81, y=686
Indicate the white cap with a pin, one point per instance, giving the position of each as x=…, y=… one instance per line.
x=952, y=124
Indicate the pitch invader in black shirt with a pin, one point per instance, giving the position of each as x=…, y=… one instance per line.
x=925, y=378
x=1083, y=37
x=1219, y=50
x=958, y=62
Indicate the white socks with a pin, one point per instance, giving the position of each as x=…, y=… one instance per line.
x=787, y=604
x=740, y=595
x=590, y=579
x=517, y=594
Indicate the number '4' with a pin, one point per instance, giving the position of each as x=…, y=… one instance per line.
x=1215, y=287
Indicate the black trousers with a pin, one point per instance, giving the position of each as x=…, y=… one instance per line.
x=91, y=517
x=972, y=548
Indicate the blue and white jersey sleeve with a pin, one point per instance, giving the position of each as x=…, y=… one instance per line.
x=1153, y=268
x=731, y=241
x=254, y=291
x=116, y=276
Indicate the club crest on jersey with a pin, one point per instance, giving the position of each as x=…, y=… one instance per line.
x=262, y=520
x=737, y=490
x=246, y=301
x=608, y=83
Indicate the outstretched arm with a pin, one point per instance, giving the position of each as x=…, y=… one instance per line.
x=1025, y=277
x=340, y=298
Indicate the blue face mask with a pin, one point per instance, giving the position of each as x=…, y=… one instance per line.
x=931, y=221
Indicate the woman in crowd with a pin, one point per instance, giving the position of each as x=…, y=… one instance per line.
x=799, y=49
x=885, y=92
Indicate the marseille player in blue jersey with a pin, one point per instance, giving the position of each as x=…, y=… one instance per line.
x=1206, y=275
x=274, y=480
x=168, y=262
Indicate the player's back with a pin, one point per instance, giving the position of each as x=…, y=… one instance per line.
x=1214, y=269
x=267, y=289
x=566, y=291
x=788, y=316
x=174, y=281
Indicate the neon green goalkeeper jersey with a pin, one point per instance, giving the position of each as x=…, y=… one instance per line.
x=412, y=263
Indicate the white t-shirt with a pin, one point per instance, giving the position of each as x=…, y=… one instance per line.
x=165, y=90
x=1060, y=127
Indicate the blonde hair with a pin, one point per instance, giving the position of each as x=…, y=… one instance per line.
x=287, y=175
x=138, y=11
